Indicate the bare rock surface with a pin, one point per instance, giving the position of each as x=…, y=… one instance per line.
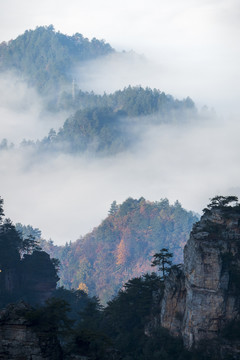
x=202, y=297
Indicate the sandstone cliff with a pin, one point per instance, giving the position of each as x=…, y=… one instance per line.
x=202, y=298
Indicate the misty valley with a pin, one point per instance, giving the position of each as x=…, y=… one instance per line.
x=100, y=260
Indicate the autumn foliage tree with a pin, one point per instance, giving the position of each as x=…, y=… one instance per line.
x=121, y=253
x=121, y=246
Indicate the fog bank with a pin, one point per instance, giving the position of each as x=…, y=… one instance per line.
x=66, y=196
x=22, y=111
x=193, y=46
x=190, y=49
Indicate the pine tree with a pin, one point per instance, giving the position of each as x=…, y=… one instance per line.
x=1, y=210
x=113, y=209
x=162, y=260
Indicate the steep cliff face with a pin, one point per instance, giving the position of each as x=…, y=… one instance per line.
x=210, y=258
x=202, y=297
x=18, y=340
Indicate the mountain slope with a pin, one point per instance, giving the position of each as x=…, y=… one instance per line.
x=112, y=123
x=132, y=100
x=121, y=247
x=46, y=58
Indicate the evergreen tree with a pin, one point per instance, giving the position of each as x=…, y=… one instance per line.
x=1, y=210
x=10, y=245
x=222, y=201
x=114, y=208
x=23, y=267
x=162, y=260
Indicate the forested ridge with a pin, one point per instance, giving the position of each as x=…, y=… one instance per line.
x=132, y=101
x=108, y=124
x=46, y=58
x=100, y=124
x=121, y=246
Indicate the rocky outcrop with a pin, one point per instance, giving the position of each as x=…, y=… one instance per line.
x=202, y=297
x=19, y=341
x=173, y=302
x=38, y=277
x=32, y=278
x=212, y=299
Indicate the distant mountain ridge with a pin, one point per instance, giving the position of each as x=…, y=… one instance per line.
x=131, y=101
x=109, y=124
x=46, y=58
x=100, y=124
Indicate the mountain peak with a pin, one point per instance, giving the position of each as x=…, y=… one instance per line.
x=46, y=58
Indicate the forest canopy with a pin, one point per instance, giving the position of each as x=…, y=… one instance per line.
x=46, y=58
x=27, y=273
x=122, y=245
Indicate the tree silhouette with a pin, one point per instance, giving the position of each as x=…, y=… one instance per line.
x=121, y=253
x=222, y=201
x=163, y=261
x=1, y=210
x=114, y=208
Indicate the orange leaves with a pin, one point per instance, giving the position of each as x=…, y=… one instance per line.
x=121, y=253
x=82, y=286
x=121, y=247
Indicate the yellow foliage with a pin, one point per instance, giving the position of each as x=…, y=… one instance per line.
x=121, y=253
x=82, y=286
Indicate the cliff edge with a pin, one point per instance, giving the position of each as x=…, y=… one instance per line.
x=201, y=300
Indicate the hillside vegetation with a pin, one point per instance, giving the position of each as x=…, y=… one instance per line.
x=132, y=101
x=129, y=327
x=121, y=247
x=26, y=272
x=47, y=58
x=104, y=124
x=109, y=124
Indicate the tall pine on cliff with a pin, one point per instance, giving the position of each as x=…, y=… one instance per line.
x=122, y=246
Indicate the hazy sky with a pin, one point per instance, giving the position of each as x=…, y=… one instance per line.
x=190, y=48
x=195, y=43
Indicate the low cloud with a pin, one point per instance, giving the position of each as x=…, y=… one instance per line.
x=191, y=49
x=22, y=111
x=209, y=80
x=66, y=196
x=113, y=72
